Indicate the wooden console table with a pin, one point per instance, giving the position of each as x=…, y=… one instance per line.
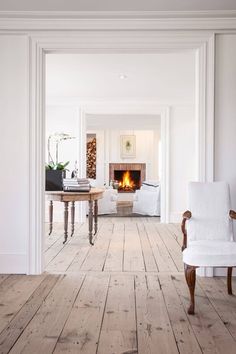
x=67, y=197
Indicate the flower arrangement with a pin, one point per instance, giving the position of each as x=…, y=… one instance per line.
x=57, y=138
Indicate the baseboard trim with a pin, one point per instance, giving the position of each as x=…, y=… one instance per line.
x=222, y=272
x=12, y=263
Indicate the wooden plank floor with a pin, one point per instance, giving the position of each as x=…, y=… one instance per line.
x=124, y=295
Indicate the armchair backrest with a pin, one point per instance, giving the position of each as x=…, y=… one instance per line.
x=209, y=204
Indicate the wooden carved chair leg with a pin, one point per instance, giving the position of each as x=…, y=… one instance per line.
x=190, y=275
x=229, y=280
x=50, y=216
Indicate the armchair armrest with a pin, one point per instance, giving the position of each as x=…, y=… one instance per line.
x=232, y=214
x=186, y=216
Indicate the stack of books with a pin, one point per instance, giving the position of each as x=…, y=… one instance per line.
x=76, y=185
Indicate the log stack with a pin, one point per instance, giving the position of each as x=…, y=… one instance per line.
x=91, y=158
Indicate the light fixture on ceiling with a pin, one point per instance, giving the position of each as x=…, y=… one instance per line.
x=123, y=76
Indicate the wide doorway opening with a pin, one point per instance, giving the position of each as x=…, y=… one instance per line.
x=106, y=122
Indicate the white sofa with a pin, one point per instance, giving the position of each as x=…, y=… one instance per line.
x=108, y=204
x=147, y=200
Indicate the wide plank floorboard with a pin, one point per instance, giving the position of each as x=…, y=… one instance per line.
x=125, y=295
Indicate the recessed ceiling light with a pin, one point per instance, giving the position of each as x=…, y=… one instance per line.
x=123, y=76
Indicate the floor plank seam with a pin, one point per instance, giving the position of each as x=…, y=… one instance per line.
x=58, y=338
x=103, y=314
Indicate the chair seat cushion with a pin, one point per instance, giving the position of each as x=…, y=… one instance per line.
x=210, y=254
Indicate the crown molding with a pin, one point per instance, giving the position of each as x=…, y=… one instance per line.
x=117, y=20
x=118, y=14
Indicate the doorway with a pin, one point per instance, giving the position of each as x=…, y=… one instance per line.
x=36, y=226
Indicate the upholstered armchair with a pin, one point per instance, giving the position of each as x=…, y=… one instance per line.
x=208, y=239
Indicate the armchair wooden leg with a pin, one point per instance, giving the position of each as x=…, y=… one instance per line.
x=229, y=280
x=190, y=275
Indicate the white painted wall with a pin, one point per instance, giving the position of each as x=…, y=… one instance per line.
x=63, y=119
x=225, y=112
x=14, y=156
x=182, y=158
x=14, y=144
x=108, y=151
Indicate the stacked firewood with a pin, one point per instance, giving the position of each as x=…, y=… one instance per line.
x=91, y=158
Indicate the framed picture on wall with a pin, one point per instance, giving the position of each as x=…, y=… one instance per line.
x=127, y=146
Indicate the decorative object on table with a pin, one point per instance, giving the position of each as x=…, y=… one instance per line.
x=128, y=146
x=55, y=170
x=116, y=184
x=74, y=173
x=91, y=158
x=54, y=176
x=57, y=138
x=76, y=185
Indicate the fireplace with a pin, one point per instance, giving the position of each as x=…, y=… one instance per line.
x=128, y=175
x=128, y=180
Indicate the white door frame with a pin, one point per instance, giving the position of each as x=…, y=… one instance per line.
x=110, y=41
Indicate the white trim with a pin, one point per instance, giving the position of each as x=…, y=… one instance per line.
x=222, y=272
x=217, y=14
x=37, y=159
x=117, y=20
x=106, y=42
x=165, y=168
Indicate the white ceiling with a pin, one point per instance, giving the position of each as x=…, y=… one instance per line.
x=165, y=77
x=114, y=5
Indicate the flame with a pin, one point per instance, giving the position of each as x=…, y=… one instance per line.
x=126, y=181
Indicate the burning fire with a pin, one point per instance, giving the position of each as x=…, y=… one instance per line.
x=127, y=182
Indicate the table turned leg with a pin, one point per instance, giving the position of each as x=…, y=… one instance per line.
x=90, y=220
x=50, y=216
x=72, y=218
x=95, y=217
x=66, y=213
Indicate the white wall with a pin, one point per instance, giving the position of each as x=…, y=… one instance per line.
x=63, y=120
x=108, y=151
x=182, y=158
x=225, y=116
x=225, y=112
x=14, y=147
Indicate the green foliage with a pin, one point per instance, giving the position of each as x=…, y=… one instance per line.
x=57, y=166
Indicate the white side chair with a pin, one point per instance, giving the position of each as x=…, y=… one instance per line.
x=108, y=204
x=208, y=238
x=147, y=201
